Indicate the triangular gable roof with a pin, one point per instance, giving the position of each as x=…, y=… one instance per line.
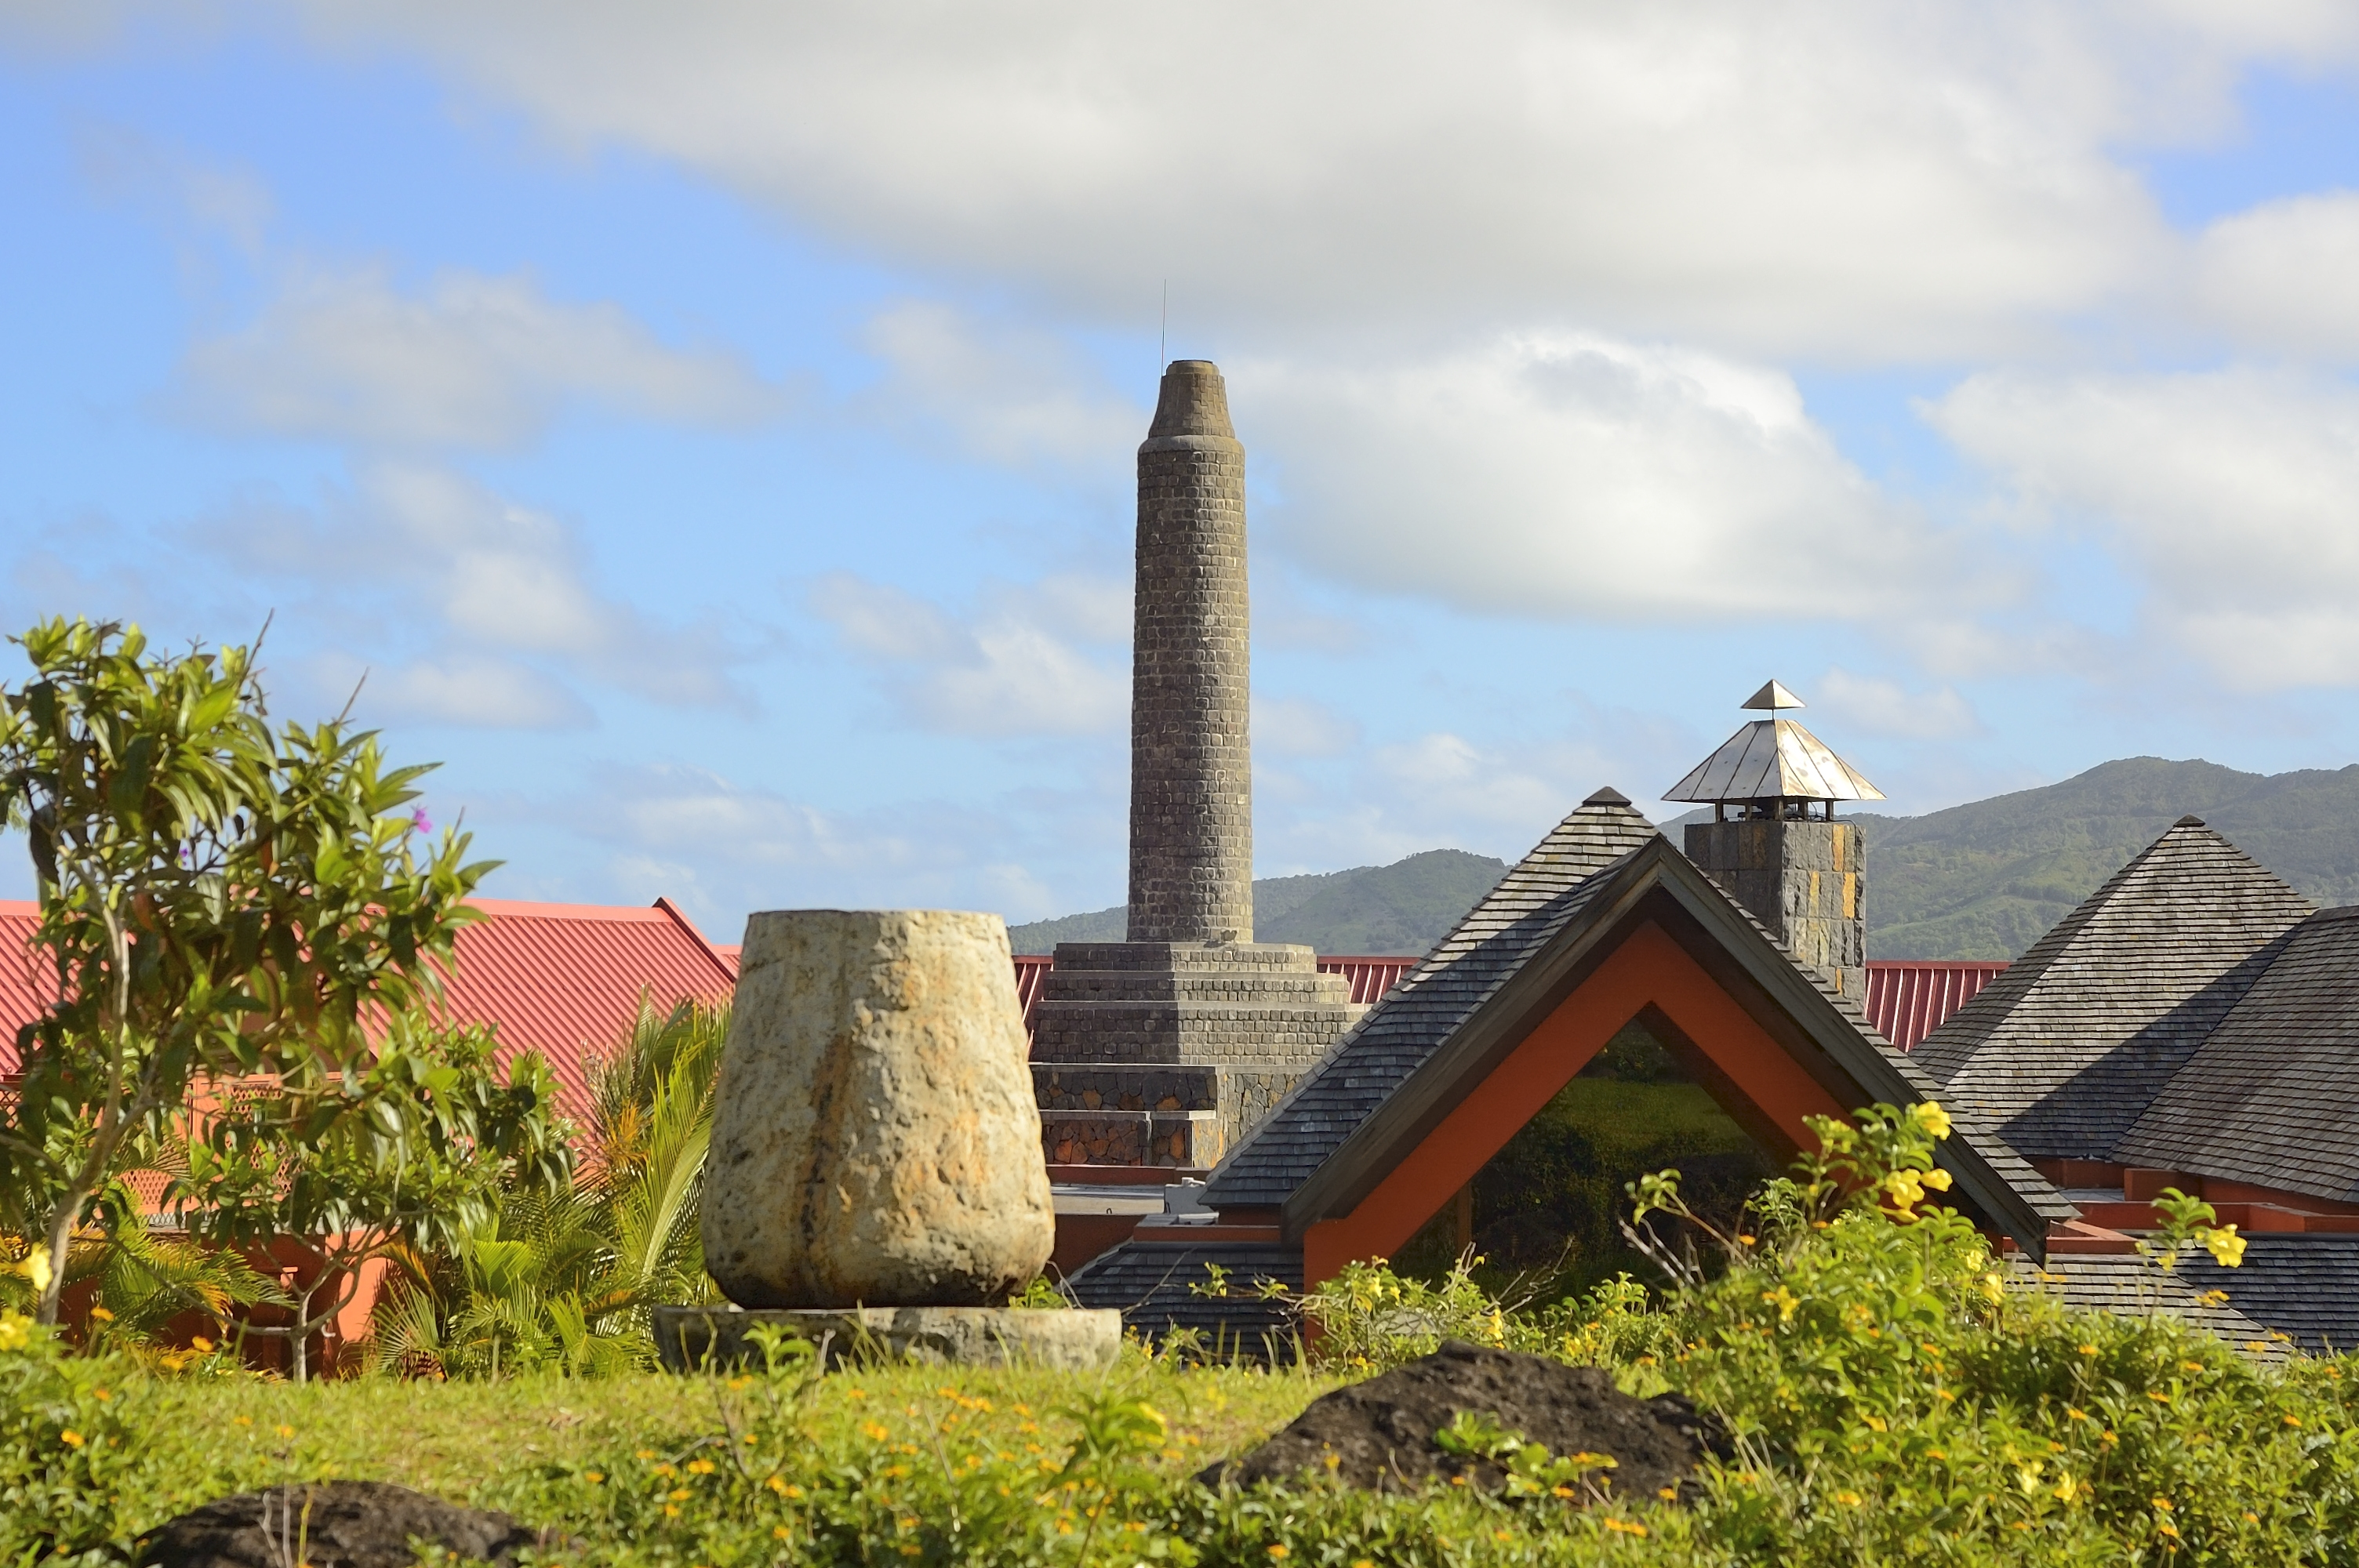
x=2067, y=1050
x=1393, y=1081
x=2272, y=1097
x=1522, y=910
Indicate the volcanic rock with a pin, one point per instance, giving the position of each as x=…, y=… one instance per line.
x=1380, y=1433
x=875, y=1139
x=331, y=1524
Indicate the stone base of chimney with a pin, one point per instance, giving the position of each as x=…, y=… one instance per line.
x=1205, y=1033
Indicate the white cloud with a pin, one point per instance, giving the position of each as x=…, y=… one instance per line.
x=2232, y=495
x=1007, y=395
x=1877, y=706
x=460, y=687
x=2285, y=275
x=1015, y=669
x=472, y=361
x=504, y=589
x=1843, y=178
x=1572, y=474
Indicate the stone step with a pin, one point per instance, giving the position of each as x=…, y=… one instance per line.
x=1275, y=957
x=1229, y=986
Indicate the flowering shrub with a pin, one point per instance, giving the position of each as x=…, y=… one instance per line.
x=72, y=1468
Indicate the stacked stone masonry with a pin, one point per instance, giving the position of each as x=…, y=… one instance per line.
x=1804, y=881
x=1163, y=1050
x=1191, y=746
x=1219, y=1033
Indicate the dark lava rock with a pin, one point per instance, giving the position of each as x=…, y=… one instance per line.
x=351, y=1524
x=1381, y=1432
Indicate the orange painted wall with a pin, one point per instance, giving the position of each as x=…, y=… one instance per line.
x=1648, y=968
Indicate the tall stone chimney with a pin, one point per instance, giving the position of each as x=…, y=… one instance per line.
x=1164, y=1049
x=1190, y=692
x=1774, y=845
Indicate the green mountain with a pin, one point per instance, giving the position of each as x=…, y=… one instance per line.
x=1405, y=907
x=1987, y=879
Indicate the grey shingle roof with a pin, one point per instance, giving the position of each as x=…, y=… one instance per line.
x=1149, y=1282
x=2272, y=1097
x=2305, y=1287
x=2124, y=1282
x=1515, y=919
x=1602, y=867
x=2067, y=1050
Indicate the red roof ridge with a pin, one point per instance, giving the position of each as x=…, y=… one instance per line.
x=720, y=961
x=526, y=909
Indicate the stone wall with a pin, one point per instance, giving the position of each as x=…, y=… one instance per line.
x=1804, y=881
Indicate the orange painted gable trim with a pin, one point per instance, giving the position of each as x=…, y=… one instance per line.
x=1647, y=968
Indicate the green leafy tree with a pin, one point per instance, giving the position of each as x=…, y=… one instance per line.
x=221, y=900
x=563, y=1274
x=412, y=1150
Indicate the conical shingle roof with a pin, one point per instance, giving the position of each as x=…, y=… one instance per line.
x=2070, y=1047
x=2272, y=1097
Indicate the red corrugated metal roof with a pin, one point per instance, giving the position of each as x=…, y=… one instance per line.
x=565, y=978
x=1031, y=973
x=561, y=978
x=1908, y=998
x=1370, y=976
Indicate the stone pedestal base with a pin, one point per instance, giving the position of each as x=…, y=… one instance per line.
x=712, y=1339
x=1167, y=1052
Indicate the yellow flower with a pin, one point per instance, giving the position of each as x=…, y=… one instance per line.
x=2161, y=1503
x=1994, y=1288
x=679, y=1494
x=1621, y=1527
x=595, y=1478
x=1905, y=1188
x=699, y=1466
x=36, y=1267
x=1279, y=1553
x=16, y=1331
x=1849, y=1499
x=70, y=1438
x=1785, y=1301
x=99, y=1314
x=1930, y=1119
x=1937, y=1180
x=2227, y=1248
x=781, y=1532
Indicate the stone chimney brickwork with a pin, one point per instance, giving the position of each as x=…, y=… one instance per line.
x=1164, y=1049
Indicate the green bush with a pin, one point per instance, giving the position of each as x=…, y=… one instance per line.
x=73, y=1471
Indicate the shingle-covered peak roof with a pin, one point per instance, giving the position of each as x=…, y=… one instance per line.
x=1515, y=919
x=2272, y=1097
x=2066, y=1050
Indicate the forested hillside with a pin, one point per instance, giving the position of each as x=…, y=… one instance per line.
x=1984, y=879
x=1405, y=907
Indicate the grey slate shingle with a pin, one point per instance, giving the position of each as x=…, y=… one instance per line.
x=2129, y=1284
x=1515, y=919
x=2305, y=1287
x=2067, y=1049
x=1149, y=1282
x=2272, y=1097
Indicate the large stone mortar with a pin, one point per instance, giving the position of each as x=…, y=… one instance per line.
x=875, y=1138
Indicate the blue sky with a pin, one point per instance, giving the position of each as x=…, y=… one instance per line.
x=709, y=435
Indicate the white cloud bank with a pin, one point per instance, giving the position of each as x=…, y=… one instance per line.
x=503, y=594
x=2232, y=494
x=1022, y=665
x=1835, y=177
x=1572, y=474
x=472, y=361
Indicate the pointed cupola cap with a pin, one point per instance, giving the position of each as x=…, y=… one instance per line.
x=1773, y=759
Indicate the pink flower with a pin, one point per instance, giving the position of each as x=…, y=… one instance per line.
x=420, y=821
